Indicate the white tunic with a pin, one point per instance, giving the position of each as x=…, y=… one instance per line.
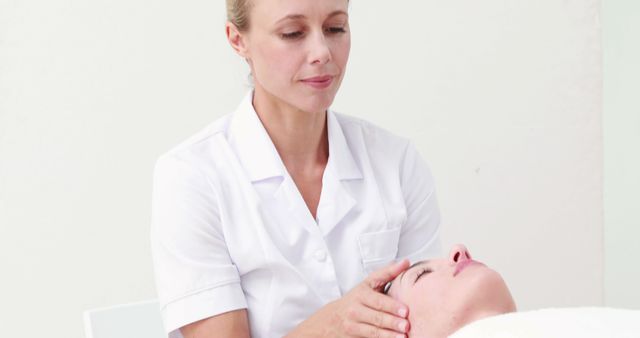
x=231, y=230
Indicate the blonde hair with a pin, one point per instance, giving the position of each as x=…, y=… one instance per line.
x=238, y=13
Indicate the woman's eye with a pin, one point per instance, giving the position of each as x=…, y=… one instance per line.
x=422, y=273
x=336, y=30
x=292, y=35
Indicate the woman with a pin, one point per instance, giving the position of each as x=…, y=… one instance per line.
x=267, y=222
x=444, y=295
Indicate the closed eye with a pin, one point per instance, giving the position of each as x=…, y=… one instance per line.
x=299, y=34
x=336, y=30
x=292, y=35
x=422, y=272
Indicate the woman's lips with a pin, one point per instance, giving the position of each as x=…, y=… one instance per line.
x=463, y=264
x=319, y=82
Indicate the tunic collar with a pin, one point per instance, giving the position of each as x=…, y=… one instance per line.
x=259, y=156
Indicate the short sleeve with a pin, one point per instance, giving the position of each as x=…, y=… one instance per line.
x=195, y=277
x=420, y=236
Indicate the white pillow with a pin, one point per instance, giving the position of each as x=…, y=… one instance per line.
x=589, y=322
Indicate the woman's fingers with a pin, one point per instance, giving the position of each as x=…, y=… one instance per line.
x=365, y=330
x=377, y=279
x=363, y=312
x=383, y=303
x=383, y=320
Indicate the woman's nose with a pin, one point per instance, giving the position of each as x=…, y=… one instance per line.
x=320, y=53
x=458, y=253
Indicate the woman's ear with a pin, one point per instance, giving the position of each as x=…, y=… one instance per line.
x=236, y=40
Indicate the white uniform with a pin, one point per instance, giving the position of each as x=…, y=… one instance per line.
x=231, y=231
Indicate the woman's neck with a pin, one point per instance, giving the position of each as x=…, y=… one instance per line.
x=300, y=137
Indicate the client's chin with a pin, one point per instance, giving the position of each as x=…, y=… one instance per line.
x=487, y=296
x=481, y=293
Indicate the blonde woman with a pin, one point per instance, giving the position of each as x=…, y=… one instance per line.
x=281, y=218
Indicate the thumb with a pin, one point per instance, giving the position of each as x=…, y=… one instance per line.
x=377, y=279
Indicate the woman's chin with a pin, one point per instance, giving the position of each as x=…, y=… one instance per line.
x=317, y=103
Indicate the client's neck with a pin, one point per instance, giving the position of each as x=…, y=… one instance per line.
x=426, y=329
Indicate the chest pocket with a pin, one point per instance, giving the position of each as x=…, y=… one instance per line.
x=379, y=248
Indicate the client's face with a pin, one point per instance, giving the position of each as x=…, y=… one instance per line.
x=445, y=294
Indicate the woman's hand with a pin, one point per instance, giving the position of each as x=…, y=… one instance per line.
x=363, y=312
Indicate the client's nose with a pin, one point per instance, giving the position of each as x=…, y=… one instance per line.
x=458, y=253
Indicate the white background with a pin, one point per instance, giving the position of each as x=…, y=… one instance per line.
x=621, y=120
x=503, y=98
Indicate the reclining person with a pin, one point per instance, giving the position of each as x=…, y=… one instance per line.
x=444, y=295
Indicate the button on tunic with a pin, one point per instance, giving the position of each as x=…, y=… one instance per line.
x=231, y=231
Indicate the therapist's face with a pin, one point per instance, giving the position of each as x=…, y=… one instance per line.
x=298, y=50
x=445, y=294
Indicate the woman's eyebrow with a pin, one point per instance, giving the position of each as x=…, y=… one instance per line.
x=426, y=261
x=291, y=17
x=338, y=12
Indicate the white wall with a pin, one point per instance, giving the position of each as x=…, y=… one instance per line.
x=622, y=152
x=503, y=98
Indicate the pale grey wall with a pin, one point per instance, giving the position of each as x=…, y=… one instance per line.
x=622, y=152
x=503, y=98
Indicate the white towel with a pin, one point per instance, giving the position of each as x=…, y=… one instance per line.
x=586, y=322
